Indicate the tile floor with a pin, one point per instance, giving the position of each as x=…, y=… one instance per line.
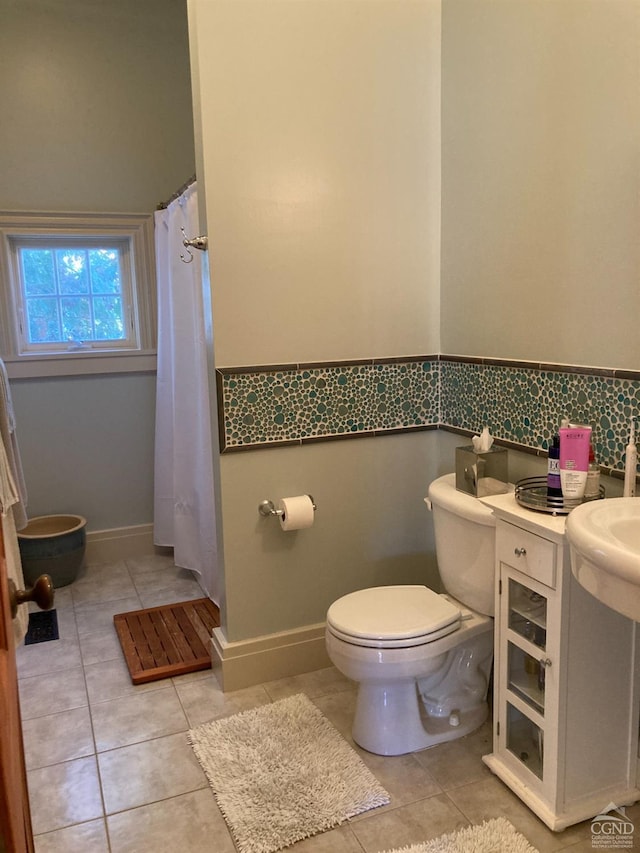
x=110, y=769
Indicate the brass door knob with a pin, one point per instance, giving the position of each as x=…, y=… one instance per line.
x=42, y=592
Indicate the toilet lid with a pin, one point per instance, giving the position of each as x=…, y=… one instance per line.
x=392, y=616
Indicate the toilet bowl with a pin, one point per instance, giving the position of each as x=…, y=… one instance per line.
x=422, y=660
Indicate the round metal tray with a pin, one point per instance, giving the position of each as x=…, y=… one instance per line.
x=531, y=492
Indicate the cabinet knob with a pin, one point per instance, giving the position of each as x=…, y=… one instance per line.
x=545, y=662
x=520, y=552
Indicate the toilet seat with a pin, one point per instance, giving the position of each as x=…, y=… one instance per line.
x=392, y=617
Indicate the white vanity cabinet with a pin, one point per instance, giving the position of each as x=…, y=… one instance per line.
x=566, y=698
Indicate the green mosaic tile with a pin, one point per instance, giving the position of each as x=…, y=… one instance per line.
x=519, y=404
x=525, y=405
x=264, y=407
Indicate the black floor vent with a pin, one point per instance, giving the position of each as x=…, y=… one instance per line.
x=43, y=626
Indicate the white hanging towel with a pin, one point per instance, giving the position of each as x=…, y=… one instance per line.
x=12, y=452
x=9, y=501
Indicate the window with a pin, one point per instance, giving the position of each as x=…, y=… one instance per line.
x=78, y=289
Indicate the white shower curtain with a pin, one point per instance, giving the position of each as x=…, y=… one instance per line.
x=184, y=511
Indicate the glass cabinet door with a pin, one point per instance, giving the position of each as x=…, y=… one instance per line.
x=525, y=740
x=527, y=612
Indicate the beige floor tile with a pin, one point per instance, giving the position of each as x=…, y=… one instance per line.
x=338, y=840
x=490, y=798
x=167, y=586
x=181, y=591
x=458, y=762
x=110, y=679
x=97, y=617
x=318, y=683
x=411, y=824
x=102, y=582
x=150, y=563
x=57, y=737
x=404, y=778
x=64, y=794
x=191, y=823
x=586, y=846
x=132, y=719
x=340, y=709
x=41, y=695
x=88, y=837
x=100, y=646
x=95, y=570
x=147, y=772
x=67, y=627
x=52, y=656
x=203, y=700
x=192, y=676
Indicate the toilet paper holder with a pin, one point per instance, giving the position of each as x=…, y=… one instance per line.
x=268, y=508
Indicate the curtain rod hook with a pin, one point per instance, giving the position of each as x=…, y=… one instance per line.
x=201, y=243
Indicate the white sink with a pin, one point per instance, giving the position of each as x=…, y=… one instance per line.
x=604, y=539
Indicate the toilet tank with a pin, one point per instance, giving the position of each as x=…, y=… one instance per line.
x=465, y=544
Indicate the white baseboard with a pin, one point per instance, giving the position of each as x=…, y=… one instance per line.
x=118, y=543
x=267, y=658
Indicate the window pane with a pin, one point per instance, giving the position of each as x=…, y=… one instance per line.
x=73, y=271
x=37, y=272
x=86, y=301
x=42, y=320
x=78, y=281
x=108, y=318
x=76, y=319
x=105, y=270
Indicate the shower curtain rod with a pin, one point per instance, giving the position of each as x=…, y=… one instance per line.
x=164, y=204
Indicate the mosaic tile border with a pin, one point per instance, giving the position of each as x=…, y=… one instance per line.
x=289, y=404
x=521, y=402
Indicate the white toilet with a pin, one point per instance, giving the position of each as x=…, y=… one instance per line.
x=422, y=659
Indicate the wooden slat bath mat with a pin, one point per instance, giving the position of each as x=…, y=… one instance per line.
x=170, y=640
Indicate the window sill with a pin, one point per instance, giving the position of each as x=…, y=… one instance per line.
x=80, y=364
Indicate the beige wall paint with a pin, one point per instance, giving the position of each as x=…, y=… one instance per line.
x=317, y=129
x=87, y=446
x=95, y=105
x=541, y=180
x=320, y=131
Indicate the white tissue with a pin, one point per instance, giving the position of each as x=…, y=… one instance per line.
x=482, y=443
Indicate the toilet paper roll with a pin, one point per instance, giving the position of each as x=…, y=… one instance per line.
x=297, y=512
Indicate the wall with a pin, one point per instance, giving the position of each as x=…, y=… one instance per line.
x=540, y=180
x=321, y=139
x=96, y=105
x=87, y=446
x=317, y=128
x=96, y=108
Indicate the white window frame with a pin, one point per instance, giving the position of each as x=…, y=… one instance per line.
x=136, y=231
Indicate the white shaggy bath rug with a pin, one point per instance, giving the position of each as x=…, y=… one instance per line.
x=493, y=836
x=282, y=772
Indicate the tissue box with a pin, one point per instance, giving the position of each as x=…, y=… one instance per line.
x=482, y=474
